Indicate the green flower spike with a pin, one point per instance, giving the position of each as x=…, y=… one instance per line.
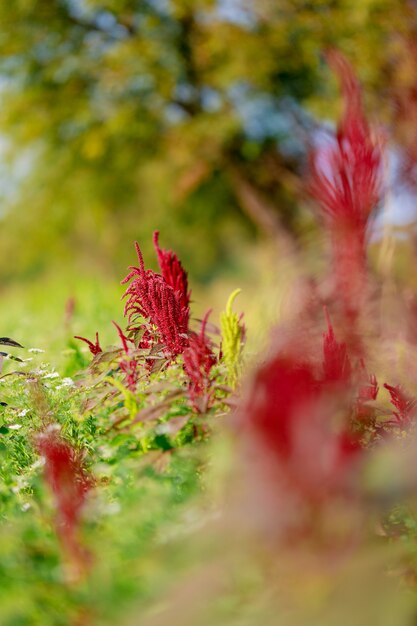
x=232, y=331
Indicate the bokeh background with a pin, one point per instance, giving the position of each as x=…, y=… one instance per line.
x=193, y=117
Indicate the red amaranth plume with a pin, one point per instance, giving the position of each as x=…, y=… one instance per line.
x=122, y=337
x=172, y=271
x=198, y=361
x=151, y=297
x=337, y=368
x=280, y=388
x=70, y=484
x=348, y=185
x=289, y=414
x=94, y=348
x=294, y=420
x=346, y=182
x=406, y=406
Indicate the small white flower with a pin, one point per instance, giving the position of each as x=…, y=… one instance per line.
x=36, y=350
x=51, y=375
x=23, y=412
x=68, y=382
x=15, y=426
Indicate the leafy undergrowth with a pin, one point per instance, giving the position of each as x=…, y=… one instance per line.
x=154, y=482
x=102, y=470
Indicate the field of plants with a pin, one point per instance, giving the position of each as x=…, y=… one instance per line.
x=208, y=320
x=178, y=472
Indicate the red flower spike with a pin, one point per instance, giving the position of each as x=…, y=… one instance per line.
x=94, y=348
x=198, y=361
x=348, y=188
x=406, y=406
x=123, y=337
x=346, y=182
x=172, y=271
x=280, y=388
x=336, y=363
x=70, y=484
x=151, y=297
x=289, y=413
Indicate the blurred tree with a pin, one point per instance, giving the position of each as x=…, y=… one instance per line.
x=121, y=116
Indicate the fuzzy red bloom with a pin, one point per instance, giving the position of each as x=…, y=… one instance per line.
x=150, y=296
x=337, y=368
x=346, y=182
x=69, y=483
x=172, y=271
x=280, y=390
x=406, y=406
x=198, y=361
x=94, y=348
x=290, y=413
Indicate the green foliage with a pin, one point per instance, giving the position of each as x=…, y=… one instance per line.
x=125, y=116
x=147, y=447
x=133, y=506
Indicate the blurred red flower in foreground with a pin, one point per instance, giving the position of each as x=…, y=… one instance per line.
x=301, y=424
x=70, y=484
x=346, y=182
x=347, y=185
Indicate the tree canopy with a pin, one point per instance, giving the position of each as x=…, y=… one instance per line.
x=192, y=116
